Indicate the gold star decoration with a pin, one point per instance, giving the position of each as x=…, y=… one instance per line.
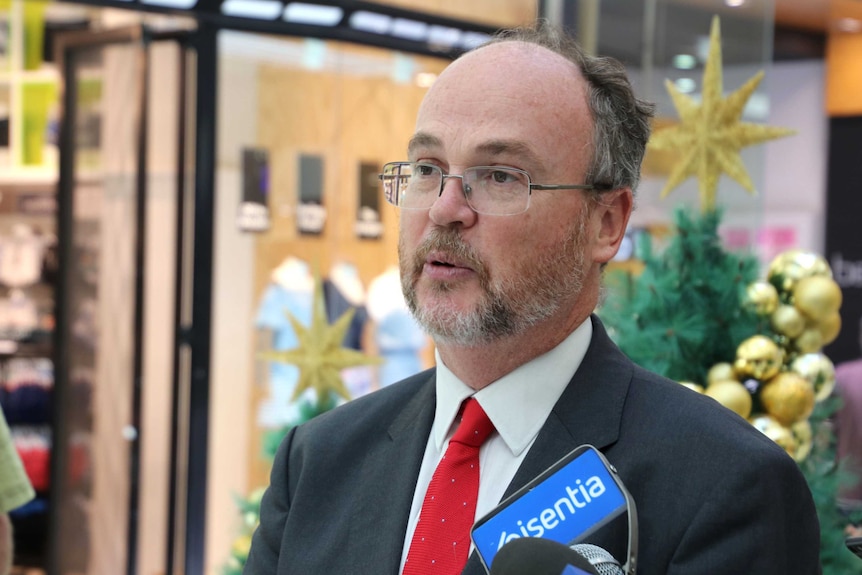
x=709, y=137
x=319, y=355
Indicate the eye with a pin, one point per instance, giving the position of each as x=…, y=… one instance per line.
x=424, y=169
x=503, y=177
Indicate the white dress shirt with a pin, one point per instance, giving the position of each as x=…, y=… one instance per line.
x=517, y=404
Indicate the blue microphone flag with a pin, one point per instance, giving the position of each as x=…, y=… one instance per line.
x=573, y=498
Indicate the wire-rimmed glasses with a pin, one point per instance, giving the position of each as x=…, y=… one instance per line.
x=492, y=190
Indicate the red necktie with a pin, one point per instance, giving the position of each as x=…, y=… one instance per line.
x=442, y=538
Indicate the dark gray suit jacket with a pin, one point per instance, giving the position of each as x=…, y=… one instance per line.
x=714, y=495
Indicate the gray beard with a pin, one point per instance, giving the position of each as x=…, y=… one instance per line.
x=510, y=305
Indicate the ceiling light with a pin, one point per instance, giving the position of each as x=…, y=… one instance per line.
x=849, y=25
x=472, y=40
x=443, y=35
x=182, y=4
x=734, y=3
x=409, y=29
x=684, y=61
x=425, y=79
x=370, y=22
x=257, y=9
x=313, y=14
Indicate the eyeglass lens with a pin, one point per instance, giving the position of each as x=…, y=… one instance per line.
x=488, y=190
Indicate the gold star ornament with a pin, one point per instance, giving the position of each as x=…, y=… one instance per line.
x=709, y=136
x=319, y=355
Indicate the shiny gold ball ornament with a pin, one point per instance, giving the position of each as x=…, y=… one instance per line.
x=788, y=397
x=241, y=546
x=829, y=327
x=692, y=386
x=774, y=430
x=818, y=370
x=809, y=341
x=732, y=395
x=817, y=296
x=720, y=372
x=790, y=266
x=804, y=438
x=758, y=357
x=762, y=297
x=787, y=320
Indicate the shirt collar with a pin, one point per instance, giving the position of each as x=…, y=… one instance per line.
x=519, y=402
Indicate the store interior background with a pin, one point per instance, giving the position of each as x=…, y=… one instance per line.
x=350, y=105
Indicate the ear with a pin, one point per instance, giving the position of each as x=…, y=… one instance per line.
x=611, y=217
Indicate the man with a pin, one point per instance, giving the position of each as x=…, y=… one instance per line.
x=502, y=266
x=15, y=491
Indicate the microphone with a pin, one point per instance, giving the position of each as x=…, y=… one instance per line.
x=535, y=556
x=603, y=562
x=566, y=504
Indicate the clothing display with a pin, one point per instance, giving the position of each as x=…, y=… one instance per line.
x=15, y=488
x=290, y=293
x=397, y=335
x=21, y=257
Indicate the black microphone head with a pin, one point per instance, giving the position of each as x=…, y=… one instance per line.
x=535, y=556
x=603, y=562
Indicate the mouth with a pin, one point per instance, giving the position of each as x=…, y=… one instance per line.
x=438, y=259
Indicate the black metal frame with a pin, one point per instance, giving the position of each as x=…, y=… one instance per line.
x=208, y=12
x=66, y=52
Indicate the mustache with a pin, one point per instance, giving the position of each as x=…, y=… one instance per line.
x=448, y=241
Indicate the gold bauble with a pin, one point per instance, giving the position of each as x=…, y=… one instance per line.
x=692, y=386
x=732, y=395
x=774, y=430
x=830, y=327
x=818, y=370
x=241, y=546
x=804, y=438
x=758, y=357
x=256, y=496
x=787, y=320
x=788, y=397
x=762, y=297
x=719, y=372
x=809, y=341
x=789, y=267
x=817, y=296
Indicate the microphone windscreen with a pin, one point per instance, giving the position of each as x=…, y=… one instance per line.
x=602, y=561
x=536, y=556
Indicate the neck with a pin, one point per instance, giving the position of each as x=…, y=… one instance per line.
x=481, y=365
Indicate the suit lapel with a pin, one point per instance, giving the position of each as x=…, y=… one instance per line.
x=589, y=411
x=392, y=465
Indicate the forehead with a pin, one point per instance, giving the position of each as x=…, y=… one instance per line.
x=508, y=92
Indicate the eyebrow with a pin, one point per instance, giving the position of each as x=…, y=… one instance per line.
x=423, y=140
x=491, y=147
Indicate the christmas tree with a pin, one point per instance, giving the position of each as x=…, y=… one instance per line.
x=698, y=314
x=693, y=315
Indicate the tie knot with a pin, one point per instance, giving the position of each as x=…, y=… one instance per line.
x=475, y=427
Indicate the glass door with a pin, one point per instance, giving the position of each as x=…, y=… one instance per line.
x=121, y=208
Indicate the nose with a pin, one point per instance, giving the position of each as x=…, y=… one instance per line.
x=451, y=205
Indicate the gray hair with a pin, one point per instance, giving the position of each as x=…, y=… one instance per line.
x=621, y=119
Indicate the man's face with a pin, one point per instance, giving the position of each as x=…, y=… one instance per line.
x=472, y=278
